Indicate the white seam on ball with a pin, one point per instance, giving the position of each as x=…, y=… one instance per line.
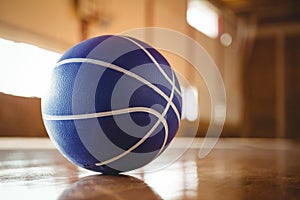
x=154, y=61
x=165, y=112
x=99, y=114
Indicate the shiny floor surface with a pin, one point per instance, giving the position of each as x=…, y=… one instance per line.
x=235, y=169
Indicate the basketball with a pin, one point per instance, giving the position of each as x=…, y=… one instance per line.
x=113, y=104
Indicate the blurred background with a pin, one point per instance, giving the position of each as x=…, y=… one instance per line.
x=254, y=43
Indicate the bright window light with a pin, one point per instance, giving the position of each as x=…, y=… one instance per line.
x=202, y=16
x=191, y=96
x=190, y=110
x=25, y=69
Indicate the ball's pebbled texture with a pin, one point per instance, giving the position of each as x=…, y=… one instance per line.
x=113, y=104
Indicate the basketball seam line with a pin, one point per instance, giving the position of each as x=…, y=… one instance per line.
x=154, y=61
x=98, y=114
x=165, y=112
x=161, y=119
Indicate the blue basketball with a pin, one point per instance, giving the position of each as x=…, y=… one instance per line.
x=113, y=105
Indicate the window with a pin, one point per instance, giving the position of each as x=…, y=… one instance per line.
x=203, y=16
x=25, y=69
x=190, y=108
